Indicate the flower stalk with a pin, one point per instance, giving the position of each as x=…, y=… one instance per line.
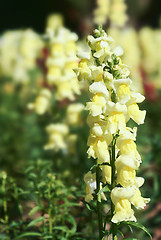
x=111, y=141
x=113, y=176
x=99, y=205
x=5, y=207
x=50, y=210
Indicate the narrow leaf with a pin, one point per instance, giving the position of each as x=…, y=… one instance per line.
x=94, y=166
x=104, y=189
x=90, y=208
x=138, y=225
x=121, y=233
x=35, y=221
x=131, y=239
x=28, y=234
x=73, y=222
x=34, y=210
x=48, y=237
x=62, y=228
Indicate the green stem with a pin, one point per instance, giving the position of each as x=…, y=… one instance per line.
x=50, y=211
x=40, y=203
x=5, y=205
x=99, y=205
x=112, y=162
x=50, y=222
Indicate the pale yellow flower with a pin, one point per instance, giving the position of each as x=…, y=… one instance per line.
x=126, y=166
x=118, y=14
x=42, y=102
x=102, y=11
x=116, y=122
x=98, y=148
x=61, y=62
x=121, y=199
x=138, y=201
x=124, y=93
x=30, y=47
x=57, y=136
x=95, y=119
x=128, y=146
x=97, y=129
x=150, y=41
x=18, y=52
x=100, y=45
x=67, y=89
x=113, y=103
x=73, y=113
x=106, y=174
x=83, y=71
x=98, y=104
x=57, y=49
x=54, y=74
x=137, y=115
x=132, y=55
x=90, y=181
x=55, y=21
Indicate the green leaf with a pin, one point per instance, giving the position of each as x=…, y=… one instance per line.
x=48, y=237
x=113, y=96
x=115, y=59
x=73, y=222
x=110, y=64
x=62, y=228
x=1, y=202
x=28, y=234
x=3, y=236
x=34, y=210
x=140, y=226
x=105, y=233
x=121, y=233
x=116, y=74
x=41, y=184
x=107, y=69
x=90, y=208
x=131, y=239
x=104, y=189
x=2, y=220
x=35, y=221
x=29, y=169
x=94, y=166
x=32, y=176
x=130, y=228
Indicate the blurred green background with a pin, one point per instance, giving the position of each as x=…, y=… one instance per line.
x=22, y=132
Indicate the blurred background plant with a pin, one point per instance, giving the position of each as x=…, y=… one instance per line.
x=45, y=197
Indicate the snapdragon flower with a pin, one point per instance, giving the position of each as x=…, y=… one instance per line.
x=61, y=61
x=102, y=11
x=58, y=133
x=113, y=10
x=111, y=142
x=90, y=180
x=150, y=41
x=18, y=52
x=118, y=14
x=73, y=113
x=42, y=102
x=132, y=55
x=54, y=21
